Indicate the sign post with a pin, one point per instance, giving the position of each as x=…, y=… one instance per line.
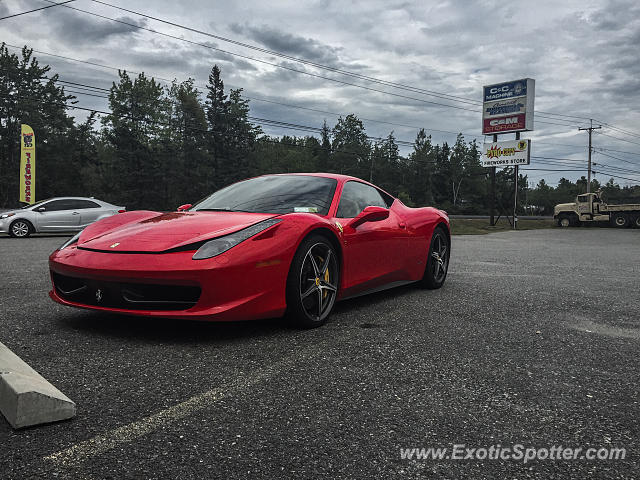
x=507, y=107
x=27, y=164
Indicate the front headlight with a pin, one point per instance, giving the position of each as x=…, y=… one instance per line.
x=6, y=215
x=222, y=244
x=71, y=241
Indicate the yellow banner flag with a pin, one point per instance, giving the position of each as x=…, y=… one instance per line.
x=27, y=165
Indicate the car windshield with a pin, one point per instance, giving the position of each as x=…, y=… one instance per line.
x=35, y=204
x=274, y=194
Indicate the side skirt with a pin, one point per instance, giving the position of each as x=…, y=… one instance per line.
x=381, y=288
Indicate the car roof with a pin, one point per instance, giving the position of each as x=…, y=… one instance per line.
x=71, y=198
x=335, y=176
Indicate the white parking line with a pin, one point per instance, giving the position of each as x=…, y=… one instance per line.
x=83, y=451
x=79, y=453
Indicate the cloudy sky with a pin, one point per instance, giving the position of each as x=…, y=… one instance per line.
x=582, y=54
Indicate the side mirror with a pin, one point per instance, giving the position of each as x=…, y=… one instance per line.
x=369, y=214
x=42, y=209
x=184, y=207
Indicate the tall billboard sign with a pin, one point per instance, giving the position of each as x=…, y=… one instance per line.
x=508, y=107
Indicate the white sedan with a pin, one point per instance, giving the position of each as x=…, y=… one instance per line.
x=63, y=214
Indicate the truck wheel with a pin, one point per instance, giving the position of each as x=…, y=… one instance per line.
x=636, y=222
x=564, y=221
x=620, y=220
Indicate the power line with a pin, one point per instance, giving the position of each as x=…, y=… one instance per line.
x=272, y=52
x=617, y=176
x=468, y=135
x=617, y=138
x=612, y=150
x=620, y=169
x=298, y=59
x=625, y=132
x=267, y=122
x=268, y=140
x=264, y=121
x=556, y=158
x=188, y=127
x=617, y=158
x=36, y=9
x=253, y=59
x=292, y=126
x=282, y=66
x=567, y=161
x=319, y=65
x=551, y=170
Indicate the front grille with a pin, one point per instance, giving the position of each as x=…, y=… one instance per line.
x=131, y=296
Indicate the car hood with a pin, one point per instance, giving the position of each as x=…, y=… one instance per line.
x=564, y=206
x=158, y=232
x=14, y=212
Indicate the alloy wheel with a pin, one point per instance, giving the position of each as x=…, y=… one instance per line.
x=440, y=255
x=20, y=229
x=318, y=281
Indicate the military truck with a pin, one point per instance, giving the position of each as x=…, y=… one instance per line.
x=589, y=208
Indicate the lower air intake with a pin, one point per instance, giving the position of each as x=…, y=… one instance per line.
x=130, y=296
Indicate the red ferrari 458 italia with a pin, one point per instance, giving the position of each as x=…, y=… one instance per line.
x=278, y=244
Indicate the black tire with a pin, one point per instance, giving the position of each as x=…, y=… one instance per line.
x=568, y=220
x=620, y=220
x=312, y=284
x=435, y=273
x=20, y=228
x=564, y=221
x=636, y=221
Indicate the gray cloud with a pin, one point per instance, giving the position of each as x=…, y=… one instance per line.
x=76, y=28
x=294, y=45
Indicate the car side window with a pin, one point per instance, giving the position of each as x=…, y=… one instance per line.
x=82, y=204
x=356, y=197
x=55, y=206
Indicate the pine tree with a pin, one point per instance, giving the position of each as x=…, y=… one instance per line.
x=421, y=168
x=29, y=94
x=217, y=109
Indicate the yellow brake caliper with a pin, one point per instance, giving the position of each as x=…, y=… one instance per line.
x=326, y=278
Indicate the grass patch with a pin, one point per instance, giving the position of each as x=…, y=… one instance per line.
x=480, y=226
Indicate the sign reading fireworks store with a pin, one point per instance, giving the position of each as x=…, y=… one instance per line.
x=508, y=107
x=506, y=154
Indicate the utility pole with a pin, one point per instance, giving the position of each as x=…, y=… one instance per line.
x=515, y=193
x=590, y=129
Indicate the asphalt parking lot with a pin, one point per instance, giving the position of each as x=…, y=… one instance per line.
x=533, y=340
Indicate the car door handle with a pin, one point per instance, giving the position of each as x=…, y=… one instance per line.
x=75, y=213
x=402, y=225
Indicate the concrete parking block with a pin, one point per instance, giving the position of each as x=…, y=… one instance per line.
x=27, y=398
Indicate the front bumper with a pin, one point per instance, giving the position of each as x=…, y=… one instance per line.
x=5, y=223
x=247, y=282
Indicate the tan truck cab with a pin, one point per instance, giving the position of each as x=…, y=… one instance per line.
x=589, y=207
